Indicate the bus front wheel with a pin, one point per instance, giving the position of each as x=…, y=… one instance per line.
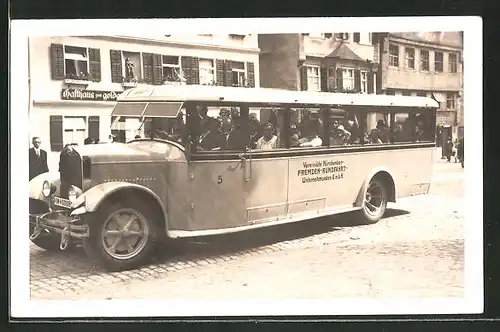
x=375, y=201
x=121, y=237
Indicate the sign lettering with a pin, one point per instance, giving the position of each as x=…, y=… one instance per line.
x=92, y=95
x=325, y=170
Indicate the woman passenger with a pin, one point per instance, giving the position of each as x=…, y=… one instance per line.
x=268, y=141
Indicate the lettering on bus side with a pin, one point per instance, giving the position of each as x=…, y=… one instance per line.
x=322, y=170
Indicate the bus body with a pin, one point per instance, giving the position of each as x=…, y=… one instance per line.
x=329, y=153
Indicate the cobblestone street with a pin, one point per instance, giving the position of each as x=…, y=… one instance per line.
x=415, y=251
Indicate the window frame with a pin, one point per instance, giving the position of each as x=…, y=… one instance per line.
x=453, y=65
x=87, y=73
x=436, y=62
x=239, y=72
x=424, y=60
x=409, y=58
x=364, y=81
x=341, y=35
x=352, y=79
x=284, y=149
x=309, y=76
x=167, y=65
x=73, y=130
x=393, y=58
x=450, y=101
x=204, y=68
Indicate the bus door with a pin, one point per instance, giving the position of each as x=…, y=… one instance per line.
x=218, y=170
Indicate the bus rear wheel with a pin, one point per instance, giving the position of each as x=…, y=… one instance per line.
x=375, y=201
x=121, y=237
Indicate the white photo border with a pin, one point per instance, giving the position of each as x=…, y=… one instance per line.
x=23, y=307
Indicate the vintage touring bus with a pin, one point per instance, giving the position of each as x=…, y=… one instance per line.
x=219, y=160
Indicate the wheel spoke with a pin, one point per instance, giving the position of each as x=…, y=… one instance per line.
x=130, y=247
x=117, y=241
x=130, y=221
x=133, y=233
x=111, y=232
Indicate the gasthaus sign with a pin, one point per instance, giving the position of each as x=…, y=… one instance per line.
x=91, y=95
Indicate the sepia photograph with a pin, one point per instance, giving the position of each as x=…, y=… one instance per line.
x=318, y=168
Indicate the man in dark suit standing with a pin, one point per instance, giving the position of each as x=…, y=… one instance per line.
x=37, y=159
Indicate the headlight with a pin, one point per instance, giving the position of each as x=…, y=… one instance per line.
x=73, y=193
x=46, y=189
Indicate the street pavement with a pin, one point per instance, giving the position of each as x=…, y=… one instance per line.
x=417, y=250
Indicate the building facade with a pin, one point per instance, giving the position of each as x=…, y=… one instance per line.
x=426, y=64
x=332, y=62
x=74, y=81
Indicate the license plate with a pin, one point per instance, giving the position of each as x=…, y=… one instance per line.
x=62, y=202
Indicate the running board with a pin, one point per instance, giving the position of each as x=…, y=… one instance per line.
x=299, y=217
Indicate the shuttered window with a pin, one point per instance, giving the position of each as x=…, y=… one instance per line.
x=324, y=79
x=95, y=64
x=370, y=82
x=228, y=70
x=357, y=81
x=147, y=64
x=219, y=68
x=340, y=79
x=303, y=78
x=250, y=74
x=94, y=127
x=57, y=61
x=157, y=69
x=116, y=66
x=191, y=69
x=56, y=132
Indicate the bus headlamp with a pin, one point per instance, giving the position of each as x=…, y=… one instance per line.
x=73, y=193
x=48, y=189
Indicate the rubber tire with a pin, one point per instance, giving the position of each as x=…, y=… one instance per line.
x=366, y=217
x=97, y=253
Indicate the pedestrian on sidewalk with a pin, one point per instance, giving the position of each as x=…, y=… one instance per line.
x=37, y=159
x=460, y=151
x=449, y=149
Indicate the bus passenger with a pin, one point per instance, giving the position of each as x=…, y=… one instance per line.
x=420, y=131
x=268, y=141
x=398, y=133
x=213, y=139
x=383, y=131
x=375, y=136
x=255, y=130
x=311, y=138
x=294, y=136
x=352, y=126
x=236, y=139
x=340, y=136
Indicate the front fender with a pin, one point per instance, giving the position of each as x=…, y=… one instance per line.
x=36, y=184
x=94, y=197
x=366, y=182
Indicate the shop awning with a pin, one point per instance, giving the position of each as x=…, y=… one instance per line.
x=129, y=109
x=344, y=52
x=163, y=109
x=439, y=96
